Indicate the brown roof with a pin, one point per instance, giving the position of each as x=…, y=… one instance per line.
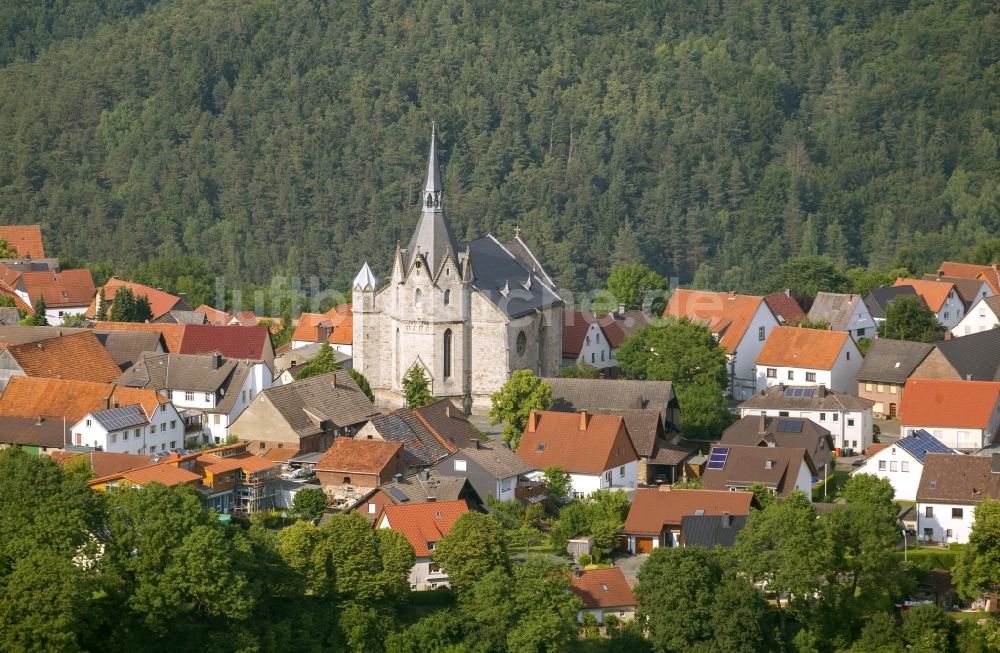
x=948, y=478
x=158, y=473
x=988, y=273
x=160, y=302
x=103, y=463
x=33, y=396
x=800, y=347
x=337, y=324
x=763, y=431
x=214, y=315
x=251, y=343
x=48, y=433
x=78, y=356
x=651, y=509
x=603, y=588
x=358, y=456
x=967, y=289
x=792, y=397
x=618, y=326
x=934, y=293
x=497, y=459
x=25, y=238
x=784, y=307
x=66, y=288
x=172, y=334
x=575, y=326
x=423, y=523
x=948, y=403
x=727, y=314
x=576, y=442
x=279, y=454
x=774, y=467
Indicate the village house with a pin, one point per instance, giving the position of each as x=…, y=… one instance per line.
x=813, y=357
x=975, y=357
x=306, y=415
x=902, y=462
x=429, y=434
x=210, y=390
x=950, y=489
x=779, y=469
x=655, y=516
x=843, y=312
x=710, y=531
x=66, y=292
x=78, y=356
x=595, y=450
x=619, y=325
x=941, y=297
x=988, y=273
x=335, y=327
x=882, y=376
x=160, y=302
x=243, y=343
x=983, y=316
x=740, y=323
x=351, y=468
x=34, y=435
x=26, y=239
x=964, y=415
x=421, y=487
x=423, y=525
x=583, y=341
x=969, y=291
x=603, y=592
x=878, y=299
x=786, y=433
x=131, y=428
x=491, y=467
x=847, y=418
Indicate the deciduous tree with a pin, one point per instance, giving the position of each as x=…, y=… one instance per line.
x=514, y=401
x=474, y=545
x=908, y=318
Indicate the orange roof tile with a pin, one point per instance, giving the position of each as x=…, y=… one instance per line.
x=339, y=320
x=726, y=314
x=25, y=238
x=651, y=509
x=34, y=396
x=576, y=442
x=172, y=334
x=103, y=463
x=816, y=349
x=247, y=462
x=214, y=315
x=279, y=455
x=948, y=403
x=359, y=456
x=963, y=270
x=66, y=288
x=78, y=356
x=934, y=293
x=160, y=302
x=157, y=473
x=423, y=523
x=8, y=291
x=603, y=588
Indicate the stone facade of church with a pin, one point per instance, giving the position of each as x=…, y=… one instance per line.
x=468, y=315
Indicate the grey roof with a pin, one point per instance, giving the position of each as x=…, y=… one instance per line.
x=892, y=361
x=712, y=530
x=181, y=317
x=190, y=372
x=15, y=334
x=497, y=460
x=878, y=298
x=967, y=289
x=126, y=347
x=366, y=279
x=611, y=396
x=835, y=309
x=433, y=181
x=644, y=427
x=416, y=488
x=506, y=280
x=117, y=419
x=48, y=432
x=790, y=397
x=976, y=357
x=920, y=443
x=420, y=447
x=782, y=432
x=231, y=389
x=332, y=397
x=433, y=238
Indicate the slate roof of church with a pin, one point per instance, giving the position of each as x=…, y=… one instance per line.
x=506, y=280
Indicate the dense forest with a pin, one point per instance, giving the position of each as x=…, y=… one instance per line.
x=710, y=139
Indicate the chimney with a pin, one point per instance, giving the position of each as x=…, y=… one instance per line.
x=427, y=474
x=216, y=360
x=732, y=295
x=333, y=380
x=968, y=377
x=727, y=520
x=38, y=421
x=107, y=402
x=762, y=425
x=583, y=420
x=431, y=499
x=476, y=441
x=822, y=389
x=532, y=421
x=447, y=411
x=577, y=572
x=398, y=477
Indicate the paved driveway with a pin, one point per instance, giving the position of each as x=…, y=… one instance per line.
x=629, y=564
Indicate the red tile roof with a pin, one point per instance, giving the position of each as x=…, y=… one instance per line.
x=785, y=309
x=653, y=509
x=33, y=396
x=66, y=288
x=171, y=333
x=162, y=472
x=799, y=347
x=948, y=403
x=576, y=442
x=214, y=315
x=160, y=302
x=576, y=324
x=338, y=322
x=359, y=456
x=25, y=238
x=423, y=523
x=988, y=273
x=616, y=329
x=231, y=341
x=726, y=314
x=934, y=293
x=603, y=588
x=78, y=356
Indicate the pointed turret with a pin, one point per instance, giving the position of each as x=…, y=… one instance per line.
x=366, y=279
x=432, y=239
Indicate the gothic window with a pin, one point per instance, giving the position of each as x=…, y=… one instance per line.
x=447, y=353
x=522, y=343
x=417, y=297
x=447, y=297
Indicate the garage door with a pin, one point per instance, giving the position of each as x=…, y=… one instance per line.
x=643, y=545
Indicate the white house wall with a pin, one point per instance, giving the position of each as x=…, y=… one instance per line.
x=857, y=436
x=941, y=521
x=979, y=318
x=904, y=478
x=744, y=356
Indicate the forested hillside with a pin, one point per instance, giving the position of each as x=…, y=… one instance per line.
x=715, y=138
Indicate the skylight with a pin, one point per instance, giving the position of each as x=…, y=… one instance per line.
x=604, y=587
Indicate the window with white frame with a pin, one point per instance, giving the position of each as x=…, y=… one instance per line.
x=881, y=465
x=811, y=377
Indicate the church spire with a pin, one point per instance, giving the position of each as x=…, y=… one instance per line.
x=432, y=186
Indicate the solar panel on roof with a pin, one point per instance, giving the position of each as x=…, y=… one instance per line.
x=717, y=459
x=396, y=494
x=790, y=425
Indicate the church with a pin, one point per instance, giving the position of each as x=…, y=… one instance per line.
x=469, y=314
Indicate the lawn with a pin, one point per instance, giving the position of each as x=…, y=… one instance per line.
x=931, y=557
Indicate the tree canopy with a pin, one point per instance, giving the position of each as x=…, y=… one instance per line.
x=512, y=404
x=908, y=318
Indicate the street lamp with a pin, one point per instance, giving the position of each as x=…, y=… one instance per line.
x=903, y=531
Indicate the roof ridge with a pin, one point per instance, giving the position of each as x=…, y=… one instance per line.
x=437, y=436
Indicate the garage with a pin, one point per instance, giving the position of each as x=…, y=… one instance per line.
x=643, y=544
